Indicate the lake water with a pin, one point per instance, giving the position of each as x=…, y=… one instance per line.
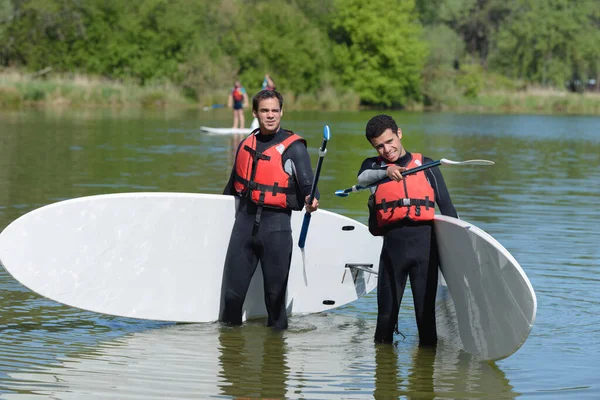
x=540, y=201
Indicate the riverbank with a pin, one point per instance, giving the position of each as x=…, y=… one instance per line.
x=18, y=90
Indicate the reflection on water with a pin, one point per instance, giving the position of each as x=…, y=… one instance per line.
x=316, y=358
x=252, y=362
x=539, y=201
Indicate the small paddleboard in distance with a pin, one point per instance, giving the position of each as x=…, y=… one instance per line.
x=226, y=131
x=486, y=304
x=160, y=256
x=231, y=131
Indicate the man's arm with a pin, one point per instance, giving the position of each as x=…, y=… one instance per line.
x=245, y=96
x=370, y=171
x=297, y=154
x=229, y=189
x=442, y=196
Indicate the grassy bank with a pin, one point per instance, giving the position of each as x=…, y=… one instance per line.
x=530, y=101
x=19, y=90
x=23, y=90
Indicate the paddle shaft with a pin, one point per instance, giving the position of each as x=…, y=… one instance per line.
x=423, y=167
x=313, y=189
x=407, y=172
x=442, y=161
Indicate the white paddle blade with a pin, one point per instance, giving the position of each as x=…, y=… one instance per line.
x=445, y=161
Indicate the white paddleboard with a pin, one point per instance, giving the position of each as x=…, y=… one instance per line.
x=160, y=256
x=226, y=131
x=231, y=131
x=486, y=304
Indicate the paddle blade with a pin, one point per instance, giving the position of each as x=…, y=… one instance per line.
x=304, y=230
x=445, y=161
x=326, y=133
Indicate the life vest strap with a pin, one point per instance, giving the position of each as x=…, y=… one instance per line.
x=275, y=189
x=256, y=155
x=384, y=205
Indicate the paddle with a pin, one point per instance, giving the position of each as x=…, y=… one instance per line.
x=443, y=161
x=213, y=106
x=322, y=152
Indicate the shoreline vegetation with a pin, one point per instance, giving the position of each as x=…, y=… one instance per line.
x=471, y=56
x=49, y=90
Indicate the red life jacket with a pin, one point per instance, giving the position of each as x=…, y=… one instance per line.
x=261, y=176
x=410, y=199
x=237, y=94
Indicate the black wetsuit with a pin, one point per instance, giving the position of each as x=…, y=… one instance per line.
x=271, y=243
x=409, y=250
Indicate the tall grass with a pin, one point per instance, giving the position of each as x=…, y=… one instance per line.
x=536, y=101
x=18, y=89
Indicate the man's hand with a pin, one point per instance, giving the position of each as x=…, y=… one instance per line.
x=311, y=207
x=394, y=172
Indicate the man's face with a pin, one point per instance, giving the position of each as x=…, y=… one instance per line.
x=268, y=115
x=388, y=145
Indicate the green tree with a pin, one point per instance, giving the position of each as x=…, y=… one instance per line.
x=447, y=49
x=378, y=50
x=276, y=37
x=544, y=41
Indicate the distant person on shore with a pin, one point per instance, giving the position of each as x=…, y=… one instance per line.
x=237, y=100
x=268, y=83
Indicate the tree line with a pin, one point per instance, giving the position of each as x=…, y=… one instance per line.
x=390, y=53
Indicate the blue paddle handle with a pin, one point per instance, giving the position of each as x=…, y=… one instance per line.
x=313, y=189
x=304, y=230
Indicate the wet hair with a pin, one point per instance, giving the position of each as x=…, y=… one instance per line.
x=266, y=94
x=379, y=124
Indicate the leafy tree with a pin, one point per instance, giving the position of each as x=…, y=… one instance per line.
x=439, y=74
x=378, y=50
x=276, y=37
x=543, y=41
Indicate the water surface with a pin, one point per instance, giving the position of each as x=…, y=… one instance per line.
x=539, y=201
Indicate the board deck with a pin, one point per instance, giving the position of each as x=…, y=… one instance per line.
x=160, y=256
x=226, y=131
x=486, y=304
x=231, y=131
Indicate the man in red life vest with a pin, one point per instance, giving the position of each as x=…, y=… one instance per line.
x=402, y=211
x=237, y=100
x=272, y=176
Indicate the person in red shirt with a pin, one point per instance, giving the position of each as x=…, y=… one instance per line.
x=237, y=100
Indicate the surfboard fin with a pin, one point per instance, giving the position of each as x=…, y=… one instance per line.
x=358, y=276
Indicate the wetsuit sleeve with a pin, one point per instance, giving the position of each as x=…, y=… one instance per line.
x=229, y=189
x=298, y=154
x=370, y=172
x=442, y=196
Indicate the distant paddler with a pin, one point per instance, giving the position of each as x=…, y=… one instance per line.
x=237, y=100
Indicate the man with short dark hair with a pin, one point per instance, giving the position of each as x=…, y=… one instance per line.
x=272, y=176
x=402, y=211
